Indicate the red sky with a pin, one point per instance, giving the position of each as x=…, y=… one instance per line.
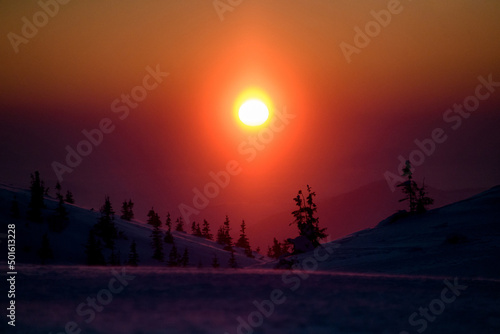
x=352, y=118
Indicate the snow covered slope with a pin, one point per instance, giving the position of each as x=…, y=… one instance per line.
x=68, y=246
x=460, y=239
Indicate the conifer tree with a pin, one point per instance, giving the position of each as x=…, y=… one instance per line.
x=417, y=197
x=169, y=238
x=133, y=257
x=227, y=235
x=156, y=235
x=173, y=257
x=305, y=218
x=215, y=262
x=69, y=197
x=206, y=230
x=59, y=196
x=93, y=250
x=127, y=210
x=37, y=191
x=45, y=251
x=105, y=226
x=243, y=241
x=232, y=261
x=114, y=257
x=185, y=258
x=179, y=227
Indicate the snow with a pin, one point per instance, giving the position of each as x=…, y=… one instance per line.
x=372, y=281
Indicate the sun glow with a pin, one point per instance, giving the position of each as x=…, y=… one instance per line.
x=253, y=108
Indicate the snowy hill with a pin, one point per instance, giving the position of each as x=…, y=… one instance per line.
x=357, y=209
x=69, y=245
x=460, y=239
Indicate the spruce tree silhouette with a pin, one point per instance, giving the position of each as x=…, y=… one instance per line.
x=215, y=262
x=206, y=230
x=185, y=258
x=133, y=257
x=156, y=235
x=232, y=261
x=179, y=227
x=69, y=197
x=416, y=196
x=173, y=257
x=93, y=250
x=37, y=191
x=105, y=227
x=243, y=241
x=169, y=238
x=127, y=210
x=305, y=217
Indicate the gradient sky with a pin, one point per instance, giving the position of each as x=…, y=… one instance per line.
x=352, y=119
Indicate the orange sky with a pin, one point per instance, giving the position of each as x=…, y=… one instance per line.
x=352, y=120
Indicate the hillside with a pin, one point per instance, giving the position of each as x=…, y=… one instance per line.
x=69, y=245
x=357, y=209
x=460, y=239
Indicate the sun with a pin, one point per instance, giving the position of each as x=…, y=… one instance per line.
x=253, y=112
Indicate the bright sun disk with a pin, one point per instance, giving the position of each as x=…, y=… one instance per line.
x=253, y=112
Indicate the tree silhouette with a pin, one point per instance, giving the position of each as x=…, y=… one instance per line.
x=305, y=218
x=278, y=249
x=223, y=235
x=156, y=235
x=232, y=261
x=169, y=238
x=133, y=257
x=185, y=258
x=93, y=250
x=179, y=227
x=215, y=262
x=59, y=196
x=173, y=258
x=417, y=197
x=206, y=230
x=37, y=191
x=69, y=197
x=105, y=226
x=243, y=241
x=127, y=210
x=45, y=251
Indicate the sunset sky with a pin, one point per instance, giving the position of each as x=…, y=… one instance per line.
x=350, y=117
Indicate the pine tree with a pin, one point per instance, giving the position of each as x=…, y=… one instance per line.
x=156, y=235
x=206, y=231
x=45, y=252
x=193, y=228
x=169, y=238
x=243, y=241
x=221, y=236
x=14, y=209
x=60, y=221
x=215, y=262
x=127, y=210
x=415, y=195
x=93, y=250
x=105, y=226
x=227, y=235
x=278, y=249
x=305, y=218
x=173, y=257
x=69, y=197
x=37, y=191
x=114, y=258
x=179, y=227
x=133, y=257
x=232, y=261
x=185, y=258
x=59, y=196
